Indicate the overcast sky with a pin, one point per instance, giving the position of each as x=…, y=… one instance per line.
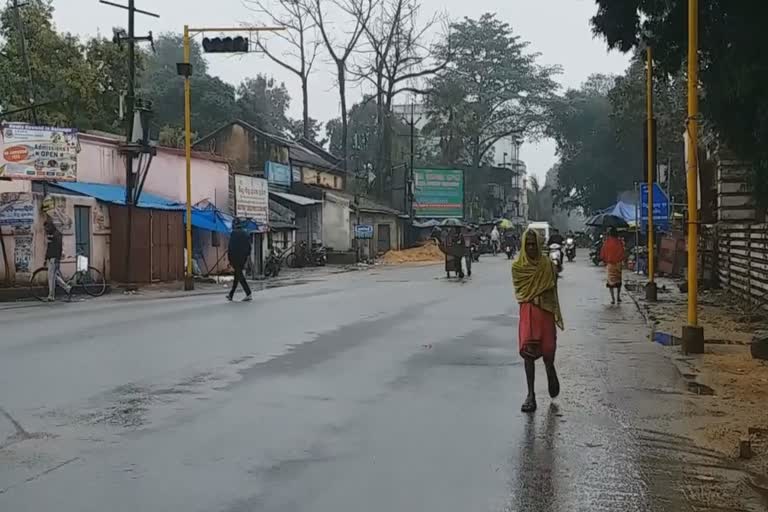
x=558, y=29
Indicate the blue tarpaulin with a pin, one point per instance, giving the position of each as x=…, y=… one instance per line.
x=209, y=218
x=624, y=210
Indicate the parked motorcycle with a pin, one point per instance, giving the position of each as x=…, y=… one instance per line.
x=594, y=251
x=570, y=249
x=318, y=255
x=556, y=255
x=274, y=263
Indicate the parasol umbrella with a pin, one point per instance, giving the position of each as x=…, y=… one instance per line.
x=506, y=224
x=606, y=220
x=451, y=222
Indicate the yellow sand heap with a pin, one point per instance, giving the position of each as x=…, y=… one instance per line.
x=427, y=253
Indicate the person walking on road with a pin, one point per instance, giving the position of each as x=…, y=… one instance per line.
x=535, y=281
x=612, y=253
x=495, y=239
x=238, y=251
x=53, y=252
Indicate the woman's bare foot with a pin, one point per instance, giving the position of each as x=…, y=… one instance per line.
x=530, y=404
x=553, y=383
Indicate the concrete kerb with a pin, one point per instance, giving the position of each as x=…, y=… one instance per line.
x=683, y=363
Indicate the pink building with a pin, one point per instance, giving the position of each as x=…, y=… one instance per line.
x=99, y=161
x=85, y=222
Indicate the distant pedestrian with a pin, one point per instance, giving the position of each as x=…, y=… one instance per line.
x=535, y=279
x=495, y=239
x=238, y=251
x=612, y=253
x=53, y=253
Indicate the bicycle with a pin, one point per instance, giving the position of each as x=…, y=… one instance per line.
x=90, y=279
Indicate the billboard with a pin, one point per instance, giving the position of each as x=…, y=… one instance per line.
x=38, y=152
x=438, y=193
x=252, y=199
x=279, y=174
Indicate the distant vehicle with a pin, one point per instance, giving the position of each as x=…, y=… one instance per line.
x=570, y=248
x=542, y=228
x=556, y=255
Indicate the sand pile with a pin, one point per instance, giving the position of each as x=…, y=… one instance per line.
x=427, y=253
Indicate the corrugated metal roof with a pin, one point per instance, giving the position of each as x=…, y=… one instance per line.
x=208, y=218
x=115, y=194
x=299, y=200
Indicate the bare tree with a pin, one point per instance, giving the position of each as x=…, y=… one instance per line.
x=359, y=12
x=398, y=59
x=301, y=37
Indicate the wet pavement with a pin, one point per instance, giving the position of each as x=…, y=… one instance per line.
x=386, y=390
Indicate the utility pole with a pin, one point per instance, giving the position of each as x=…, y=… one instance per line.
x=25, y=57
x=693, y=334
x=411, y=180
x=130, y=153
x=650, y=289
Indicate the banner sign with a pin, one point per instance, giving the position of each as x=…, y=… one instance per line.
x=38, y=152
x=279, y=174
x=252, y=199
x=438, y=193
x=660, y=208
x=16, y=209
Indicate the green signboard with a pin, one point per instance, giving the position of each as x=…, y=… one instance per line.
x=438, y=193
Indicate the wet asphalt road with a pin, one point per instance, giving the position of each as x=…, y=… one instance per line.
x=390, y=390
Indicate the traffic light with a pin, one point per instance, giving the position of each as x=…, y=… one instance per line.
x=237, y=44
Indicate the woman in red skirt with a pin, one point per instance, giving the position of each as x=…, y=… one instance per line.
x=535, y=279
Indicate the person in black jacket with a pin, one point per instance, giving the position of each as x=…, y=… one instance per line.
x=238, y=252
x=53, y=252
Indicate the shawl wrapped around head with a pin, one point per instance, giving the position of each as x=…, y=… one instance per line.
x=535, y=280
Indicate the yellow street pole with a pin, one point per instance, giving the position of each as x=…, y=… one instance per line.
x=693, y=335
x=188, y=282
x=650, y=290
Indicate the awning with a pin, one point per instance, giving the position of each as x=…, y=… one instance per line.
x=209, y=219
x=115, y=194
x=296, y=199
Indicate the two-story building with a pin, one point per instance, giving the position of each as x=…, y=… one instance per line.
x=286, y=164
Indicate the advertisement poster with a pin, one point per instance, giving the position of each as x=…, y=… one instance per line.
x=438, y=193
x=38, y=152
x=22, y=253
x=16, y=209
x=252, y=199
x=279, y=174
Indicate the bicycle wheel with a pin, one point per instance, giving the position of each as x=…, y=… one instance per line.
x=93, y=282
x=290, y=260
x=38, y=284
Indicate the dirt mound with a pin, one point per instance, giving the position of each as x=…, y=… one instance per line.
x=427, y=253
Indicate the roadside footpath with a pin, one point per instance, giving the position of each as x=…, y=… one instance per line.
x=206, y=286
x=731, y=411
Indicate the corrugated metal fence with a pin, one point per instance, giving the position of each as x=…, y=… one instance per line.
x=743, y=260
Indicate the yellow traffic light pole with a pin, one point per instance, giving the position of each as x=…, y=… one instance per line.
x=188, y=32
x=693, y=335
x=650, y=290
